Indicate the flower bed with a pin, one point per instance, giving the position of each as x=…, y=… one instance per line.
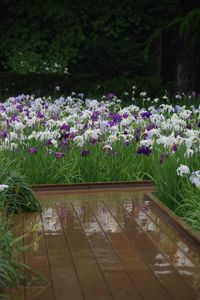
x=73, y=139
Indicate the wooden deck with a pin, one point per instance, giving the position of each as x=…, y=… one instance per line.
x=107, y=245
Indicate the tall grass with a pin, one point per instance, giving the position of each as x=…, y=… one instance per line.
x=189, y=209
x=121, y=164
x=12, y=271
x=19, y=196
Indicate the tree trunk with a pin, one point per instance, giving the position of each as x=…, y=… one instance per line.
x=168, y=56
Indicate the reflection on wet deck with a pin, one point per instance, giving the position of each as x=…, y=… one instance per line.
x=108, y=245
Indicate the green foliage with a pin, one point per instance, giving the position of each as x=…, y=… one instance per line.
x=110, y=38
x=40, y=168
x=107, y=35
x=121, y=164
x=190, y=27
x=27, y=61
x=13, y=273
x=189, y=209
x=18, y=197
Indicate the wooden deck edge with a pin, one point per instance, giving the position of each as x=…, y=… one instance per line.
x=95, y=186
x=175, y=220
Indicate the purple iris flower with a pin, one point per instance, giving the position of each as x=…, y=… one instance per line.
x=40, y=115
x=19, y=107
x=20, y=97
x=65, y=144
x=85, y=152
x=111, y=123
x=64, y=127
x=14, y=118
x=2, y=108
x=138, y=130
x=151, y=126
x=54, y=117
x=49, y=142
x=137, y=135
x=145, y=150
x=174, y=147
x=177, y=109
x=116, y=118
x=72, y=135
x=110, y=96
x=64, y=135
x=4, y=134
x=28, y=114
x=93, y=141
x=189, y=126
x=95, y=115
x=146, y=114
x=32, y=150
x=59, y=155
x=125, y=116
x=85, y=126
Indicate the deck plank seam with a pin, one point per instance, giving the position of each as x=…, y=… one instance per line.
x=70, y=253
x=23, y=241
x=46, y=248
x=100, y=270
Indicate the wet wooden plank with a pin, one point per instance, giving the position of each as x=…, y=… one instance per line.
x=37, y=258
x=117, y=278
x=92, y=282
x=65, y=282
x=107, y=245
x=175, y=285
x=142, y=277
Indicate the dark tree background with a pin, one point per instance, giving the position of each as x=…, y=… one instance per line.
x=154, y=44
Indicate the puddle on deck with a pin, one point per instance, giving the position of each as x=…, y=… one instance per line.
x=107, y=245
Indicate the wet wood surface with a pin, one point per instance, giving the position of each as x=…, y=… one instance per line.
x=106, y=245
